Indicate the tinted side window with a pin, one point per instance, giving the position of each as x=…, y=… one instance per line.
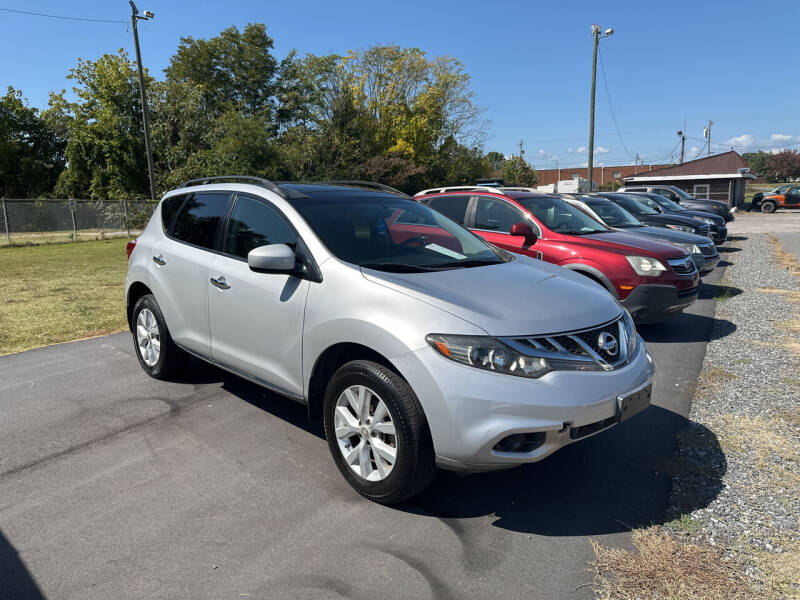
x=666, y=193
x=452, y=207
x=255, y=224
x=169, y=208
x=199, y=219
x=496, y=215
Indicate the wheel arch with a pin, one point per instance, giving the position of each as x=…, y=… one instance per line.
x=595, y=274
x=136, y=290
x=328, y=362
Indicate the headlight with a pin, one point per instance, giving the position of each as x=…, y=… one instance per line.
x=692, y=248
x=685, y=228
x=489, y=354
x=630, y=330
x=706, y=220
x=644, y=265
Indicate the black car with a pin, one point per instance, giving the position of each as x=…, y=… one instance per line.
x=639, y=206
x=719, y=231
x=685, y=199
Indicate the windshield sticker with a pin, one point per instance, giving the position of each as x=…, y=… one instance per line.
x=445, y=251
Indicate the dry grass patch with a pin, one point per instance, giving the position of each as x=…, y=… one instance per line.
x=666, y=569
x=781, y=572
x=790, y=295
x=713, y=376
x=762, y=436
x=784, y=259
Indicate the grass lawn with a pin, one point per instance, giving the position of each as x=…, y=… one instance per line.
x=61, y=292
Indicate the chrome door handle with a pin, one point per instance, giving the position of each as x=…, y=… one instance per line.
x=220, y=283
x=159, y=260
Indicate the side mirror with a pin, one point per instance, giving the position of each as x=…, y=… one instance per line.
x=524, y=230
x=276, y=258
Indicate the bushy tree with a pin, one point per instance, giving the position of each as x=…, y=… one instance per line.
x=757, y=161
x=31, y=150
x=783, y=165
x=517, y=171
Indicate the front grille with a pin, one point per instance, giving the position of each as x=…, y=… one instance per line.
x=682, y=266
x=601, y=347
x=708, y=250
x=703, y=230
x=687, y=292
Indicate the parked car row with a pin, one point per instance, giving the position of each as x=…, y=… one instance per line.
x=470, y=329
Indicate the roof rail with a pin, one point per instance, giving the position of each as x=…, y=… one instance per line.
x=367, y=184
x=453, y=188
x=515, y=188
x=266, y=183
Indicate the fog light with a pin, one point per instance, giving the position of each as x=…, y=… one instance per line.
x=521, y=442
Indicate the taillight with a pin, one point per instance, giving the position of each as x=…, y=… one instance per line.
x=129, y=248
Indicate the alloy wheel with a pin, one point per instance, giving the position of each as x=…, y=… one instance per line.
x=365, y=433
x=148, y=338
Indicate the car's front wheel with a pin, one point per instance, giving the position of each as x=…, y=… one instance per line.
x=377, y=432
x=157, y=353
x=768, y=207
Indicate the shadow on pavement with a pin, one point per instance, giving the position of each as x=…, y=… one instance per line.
x=717, y=291
x=737, y=238
x=15, y=581
x=613, y=482
x=722, y=249
x=686, y=328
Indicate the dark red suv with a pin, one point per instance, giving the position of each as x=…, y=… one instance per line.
x=651, y=279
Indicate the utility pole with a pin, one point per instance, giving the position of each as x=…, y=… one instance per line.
x=636, y=163
x=521, y=149
x=135, y=17
x=597, y=33
x=707, y=135
x=682, y=135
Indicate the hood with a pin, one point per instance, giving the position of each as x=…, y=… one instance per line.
x=622, y=242
x=668, y=235
x=702, y=204
x=703, y=215
x=521, y=297
x=672, y=219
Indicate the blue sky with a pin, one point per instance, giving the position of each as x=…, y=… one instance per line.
x=729, y=61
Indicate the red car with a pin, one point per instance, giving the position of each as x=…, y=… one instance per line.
x=651, y=279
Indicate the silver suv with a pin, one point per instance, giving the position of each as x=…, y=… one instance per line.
x=416, y=343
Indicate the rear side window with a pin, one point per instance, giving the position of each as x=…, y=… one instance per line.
x=169, y=208
x=199, y=219
x=255, y=224
x=452, y=207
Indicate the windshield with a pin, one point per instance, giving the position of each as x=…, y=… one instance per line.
x=638, y=205
x=682, y=194
x=395, y=234
x=612, y=214
x=666, y=203
x=560, y=217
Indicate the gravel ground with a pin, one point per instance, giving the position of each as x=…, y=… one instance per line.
x=740, y=459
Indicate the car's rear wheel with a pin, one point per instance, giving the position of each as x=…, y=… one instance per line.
x=157, y=353
x=377, y=432
x=768, y=207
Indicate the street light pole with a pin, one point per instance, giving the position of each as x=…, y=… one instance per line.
x=597, y=33
x=135, y=16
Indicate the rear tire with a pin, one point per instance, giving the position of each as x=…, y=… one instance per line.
x=364, y=402
x=768, y=207
x=157, y=353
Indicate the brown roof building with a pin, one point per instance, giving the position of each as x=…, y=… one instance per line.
x=600, y=175
x=719, y=177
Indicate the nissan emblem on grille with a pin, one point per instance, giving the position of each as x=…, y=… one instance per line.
x=607, y=343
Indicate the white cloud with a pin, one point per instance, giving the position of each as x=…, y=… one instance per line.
x=544, y=155
x=597, y=150
x=569, y=150
x=694, y=150
x=780, y=137
x=745, y=140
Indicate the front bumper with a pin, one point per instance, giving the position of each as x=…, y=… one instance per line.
x=469, y=411
x=719, y=234
x=709, y=264
x=651, y=303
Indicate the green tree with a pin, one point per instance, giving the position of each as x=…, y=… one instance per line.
x=31, y=151
x=517, y=171
x=757, y=161
x=105, y=153
x=783, y=165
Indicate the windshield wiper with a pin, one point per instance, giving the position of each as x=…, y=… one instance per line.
x=475, y=262
x=396, y=267
x=573, y=232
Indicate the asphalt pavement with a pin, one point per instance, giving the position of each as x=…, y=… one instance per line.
x=115, y=485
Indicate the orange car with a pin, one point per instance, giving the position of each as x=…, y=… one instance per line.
x=786, y=196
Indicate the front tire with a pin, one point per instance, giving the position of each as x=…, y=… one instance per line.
x=768, y=207
x=377, y=433
x=157, y=353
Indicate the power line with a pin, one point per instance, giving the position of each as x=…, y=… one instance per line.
x=610, y=105
x=65, y=18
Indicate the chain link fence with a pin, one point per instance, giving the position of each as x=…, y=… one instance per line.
x=30, y=222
